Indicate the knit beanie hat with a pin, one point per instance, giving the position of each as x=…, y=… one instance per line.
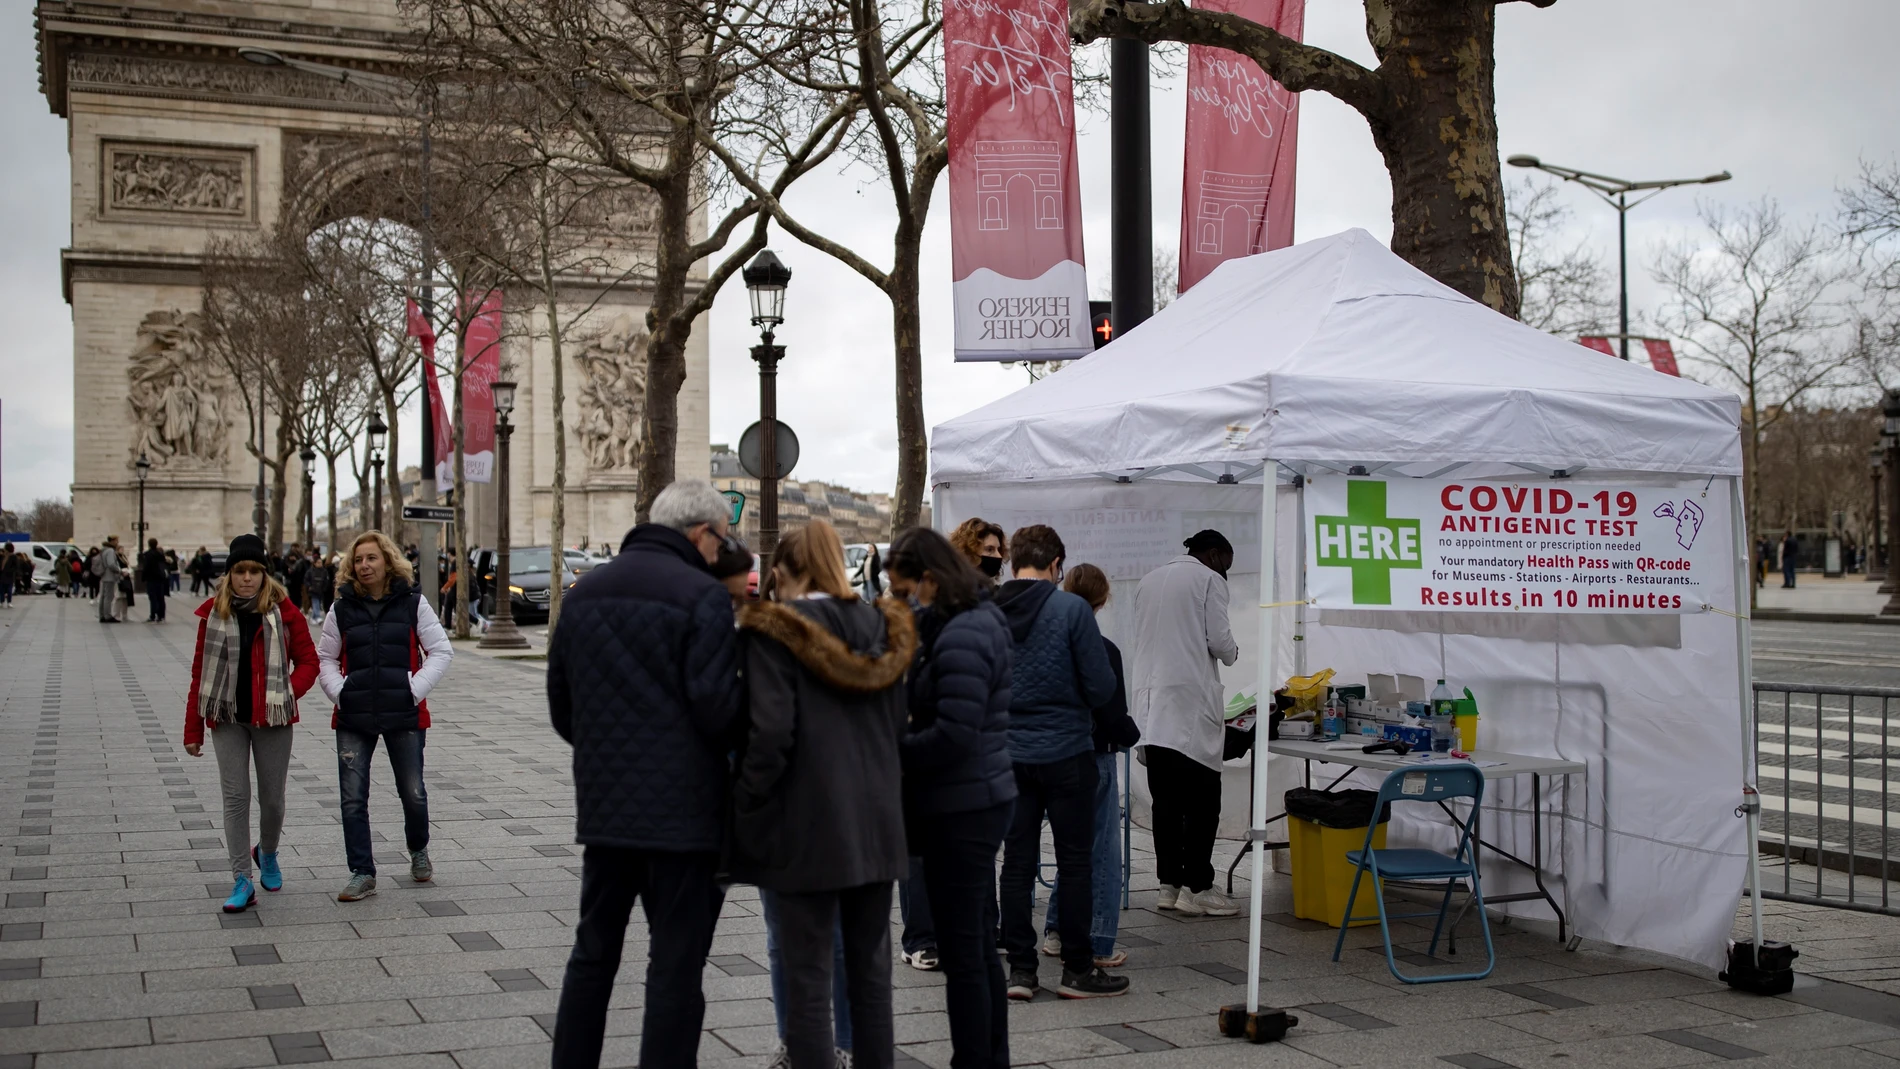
x=246, y=547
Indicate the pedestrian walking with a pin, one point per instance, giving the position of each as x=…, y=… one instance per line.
x=171, y=568
x=959, y=782
x=156, y=576
x=1790, y=556
x=1181, y=631
x=983, y=544
x=381, y=652
x=88, y=575
x=296, y=568
x=8, y=570
x=820, y=824
x=107, y=570
x=252, y=661
x=1059, y=675
x=643, y=681
x=200, y=569
x=63, y=573
x=1115, y=732
x=321, y=582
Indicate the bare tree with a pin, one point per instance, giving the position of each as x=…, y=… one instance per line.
x=1870, y=220
x=1753, y=307
x=1430, y=104
x=341, y=395
x=886, y=64
x=637, y=81
x=49, y=519
x=1562, y=287
x=263, y=327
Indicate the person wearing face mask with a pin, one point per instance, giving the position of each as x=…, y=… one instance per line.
x=984, y=545
x=382, y=652
x=252, y=662
x=1181, y=630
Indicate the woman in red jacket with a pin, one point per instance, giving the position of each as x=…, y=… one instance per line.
x=254, y=660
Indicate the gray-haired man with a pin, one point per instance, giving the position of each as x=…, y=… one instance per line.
x=643, y=681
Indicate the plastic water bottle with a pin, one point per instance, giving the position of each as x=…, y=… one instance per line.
x=1444, y=719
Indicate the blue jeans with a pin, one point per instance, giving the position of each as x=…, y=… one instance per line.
x=840, y=995
x=1105, y=871
x=353, y=753
x=913, y=904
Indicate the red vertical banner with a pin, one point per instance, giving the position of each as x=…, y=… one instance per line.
x=423, y=331
x=1242, y=134
x=481, y=349
x=1018, y=282
x=1598, y=342
x=1661, y=356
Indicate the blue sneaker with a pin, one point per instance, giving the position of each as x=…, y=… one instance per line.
x=269, y=876
x=243, y=896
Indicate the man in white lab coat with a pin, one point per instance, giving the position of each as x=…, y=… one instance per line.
x=1181, y=629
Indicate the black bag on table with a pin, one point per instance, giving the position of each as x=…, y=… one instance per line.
x=1336, y=809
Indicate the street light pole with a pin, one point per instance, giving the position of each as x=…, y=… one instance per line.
x=765, y=280
x=377, y=430
x=144, y=467
x=1890, y=436
x=1615, y=192
x=502, y=633
x=308, y=456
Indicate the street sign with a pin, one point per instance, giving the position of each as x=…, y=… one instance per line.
x=751, y=442
x=738, y=504
x=429, y=513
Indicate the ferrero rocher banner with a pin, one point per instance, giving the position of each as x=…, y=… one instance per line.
x=1017, y=275
x=1242, y=132
x=1426, y=545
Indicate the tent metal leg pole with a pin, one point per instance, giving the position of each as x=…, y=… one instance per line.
x=1269, y=593
x=1299, y=581
x=1745, y=668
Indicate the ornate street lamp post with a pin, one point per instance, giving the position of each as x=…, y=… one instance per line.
x=765, y=280
x=144, y=467
x=1890, y=437
x=309, y=457
x=377, y=432
x=502, y=633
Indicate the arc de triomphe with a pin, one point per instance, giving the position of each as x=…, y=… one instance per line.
x=175, y=138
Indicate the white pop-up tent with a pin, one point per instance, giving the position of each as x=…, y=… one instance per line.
x=1336, y=357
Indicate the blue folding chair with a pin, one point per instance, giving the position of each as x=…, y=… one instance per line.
x=1428, y=783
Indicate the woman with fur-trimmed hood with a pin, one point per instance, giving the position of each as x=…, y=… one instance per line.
x=818, y=818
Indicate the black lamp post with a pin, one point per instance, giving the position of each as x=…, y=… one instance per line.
x=1876, y=557
x=377, y=432
x=1615, y=192
x=502, y=633
x=309, y=457
x=143, y=465
x=765, y=280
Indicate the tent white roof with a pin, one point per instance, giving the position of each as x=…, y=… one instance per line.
x=1337, y=351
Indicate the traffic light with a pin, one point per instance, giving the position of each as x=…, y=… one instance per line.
x=1099, y=324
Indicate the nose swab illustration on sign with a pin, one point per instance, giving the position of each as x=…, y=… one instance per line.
x=1468, y=546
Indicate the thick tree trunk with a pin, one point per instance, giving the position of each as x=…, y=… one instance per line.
x=666, y=342
x=329, y=462
x=461, y=497
x=557, y=521
x=392, y=469
x=279, y=489
x=913, y=447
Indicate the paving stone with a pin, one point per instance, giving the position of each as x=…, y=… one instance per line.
x=31, y=872
x=20, y=931
x=1684, y=1038
x=474, y=941
x=294, y=1048
x=256, y=954
x=275, y=996
x=19, y=1014
x=25, y=899
x=1538, y=994
x=1474, y=1061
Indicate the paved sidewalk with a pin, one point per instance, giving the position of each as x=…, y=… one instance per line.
x=1848, y=596
x=113, y=952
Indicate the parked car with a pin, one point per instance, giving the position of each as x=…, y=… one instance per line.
x=529, y=579
x=864, y=568
x=43, y=554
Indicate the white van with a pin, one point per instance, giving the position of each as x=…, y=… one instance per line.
x=43, y=555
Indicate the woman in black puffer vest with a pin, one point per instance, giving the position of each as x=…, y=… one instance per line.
x=381, y=653
x=959, y=784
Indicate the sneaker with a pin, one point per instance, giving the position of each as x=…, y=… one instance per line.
x=1112, y=961
x=842, y=1058
x=1052, y=944
x=421, y=869
x=1022, y=985
x=781, y=1057
x=1092, y=984
x=361, y=886
x=243, y=896
x=924, y=960
x=269, y=876
x=1208, y=903
x=1167, y=897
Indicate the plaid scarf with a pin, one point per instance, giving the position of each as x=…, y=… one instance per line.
x=217, y=690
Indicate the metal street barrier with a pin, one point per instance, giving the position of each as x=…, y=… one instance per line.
x=1825, y=767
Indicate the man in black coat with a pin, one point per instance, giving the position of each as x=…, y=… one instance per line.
x=643, y=680
x=156, y=577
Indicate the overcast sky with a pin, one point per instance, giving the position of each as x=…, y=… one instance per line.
x=1789, y=97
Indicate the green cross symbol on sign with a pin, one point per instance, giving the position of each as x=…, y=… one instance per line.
x=1368, y=541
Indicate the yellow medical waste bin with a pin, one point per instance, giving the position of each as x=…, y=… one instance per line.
x=1322, y=877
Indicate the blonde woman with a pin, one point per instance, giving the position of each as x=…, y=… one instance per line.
x=381, y=653
x=253, y=661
